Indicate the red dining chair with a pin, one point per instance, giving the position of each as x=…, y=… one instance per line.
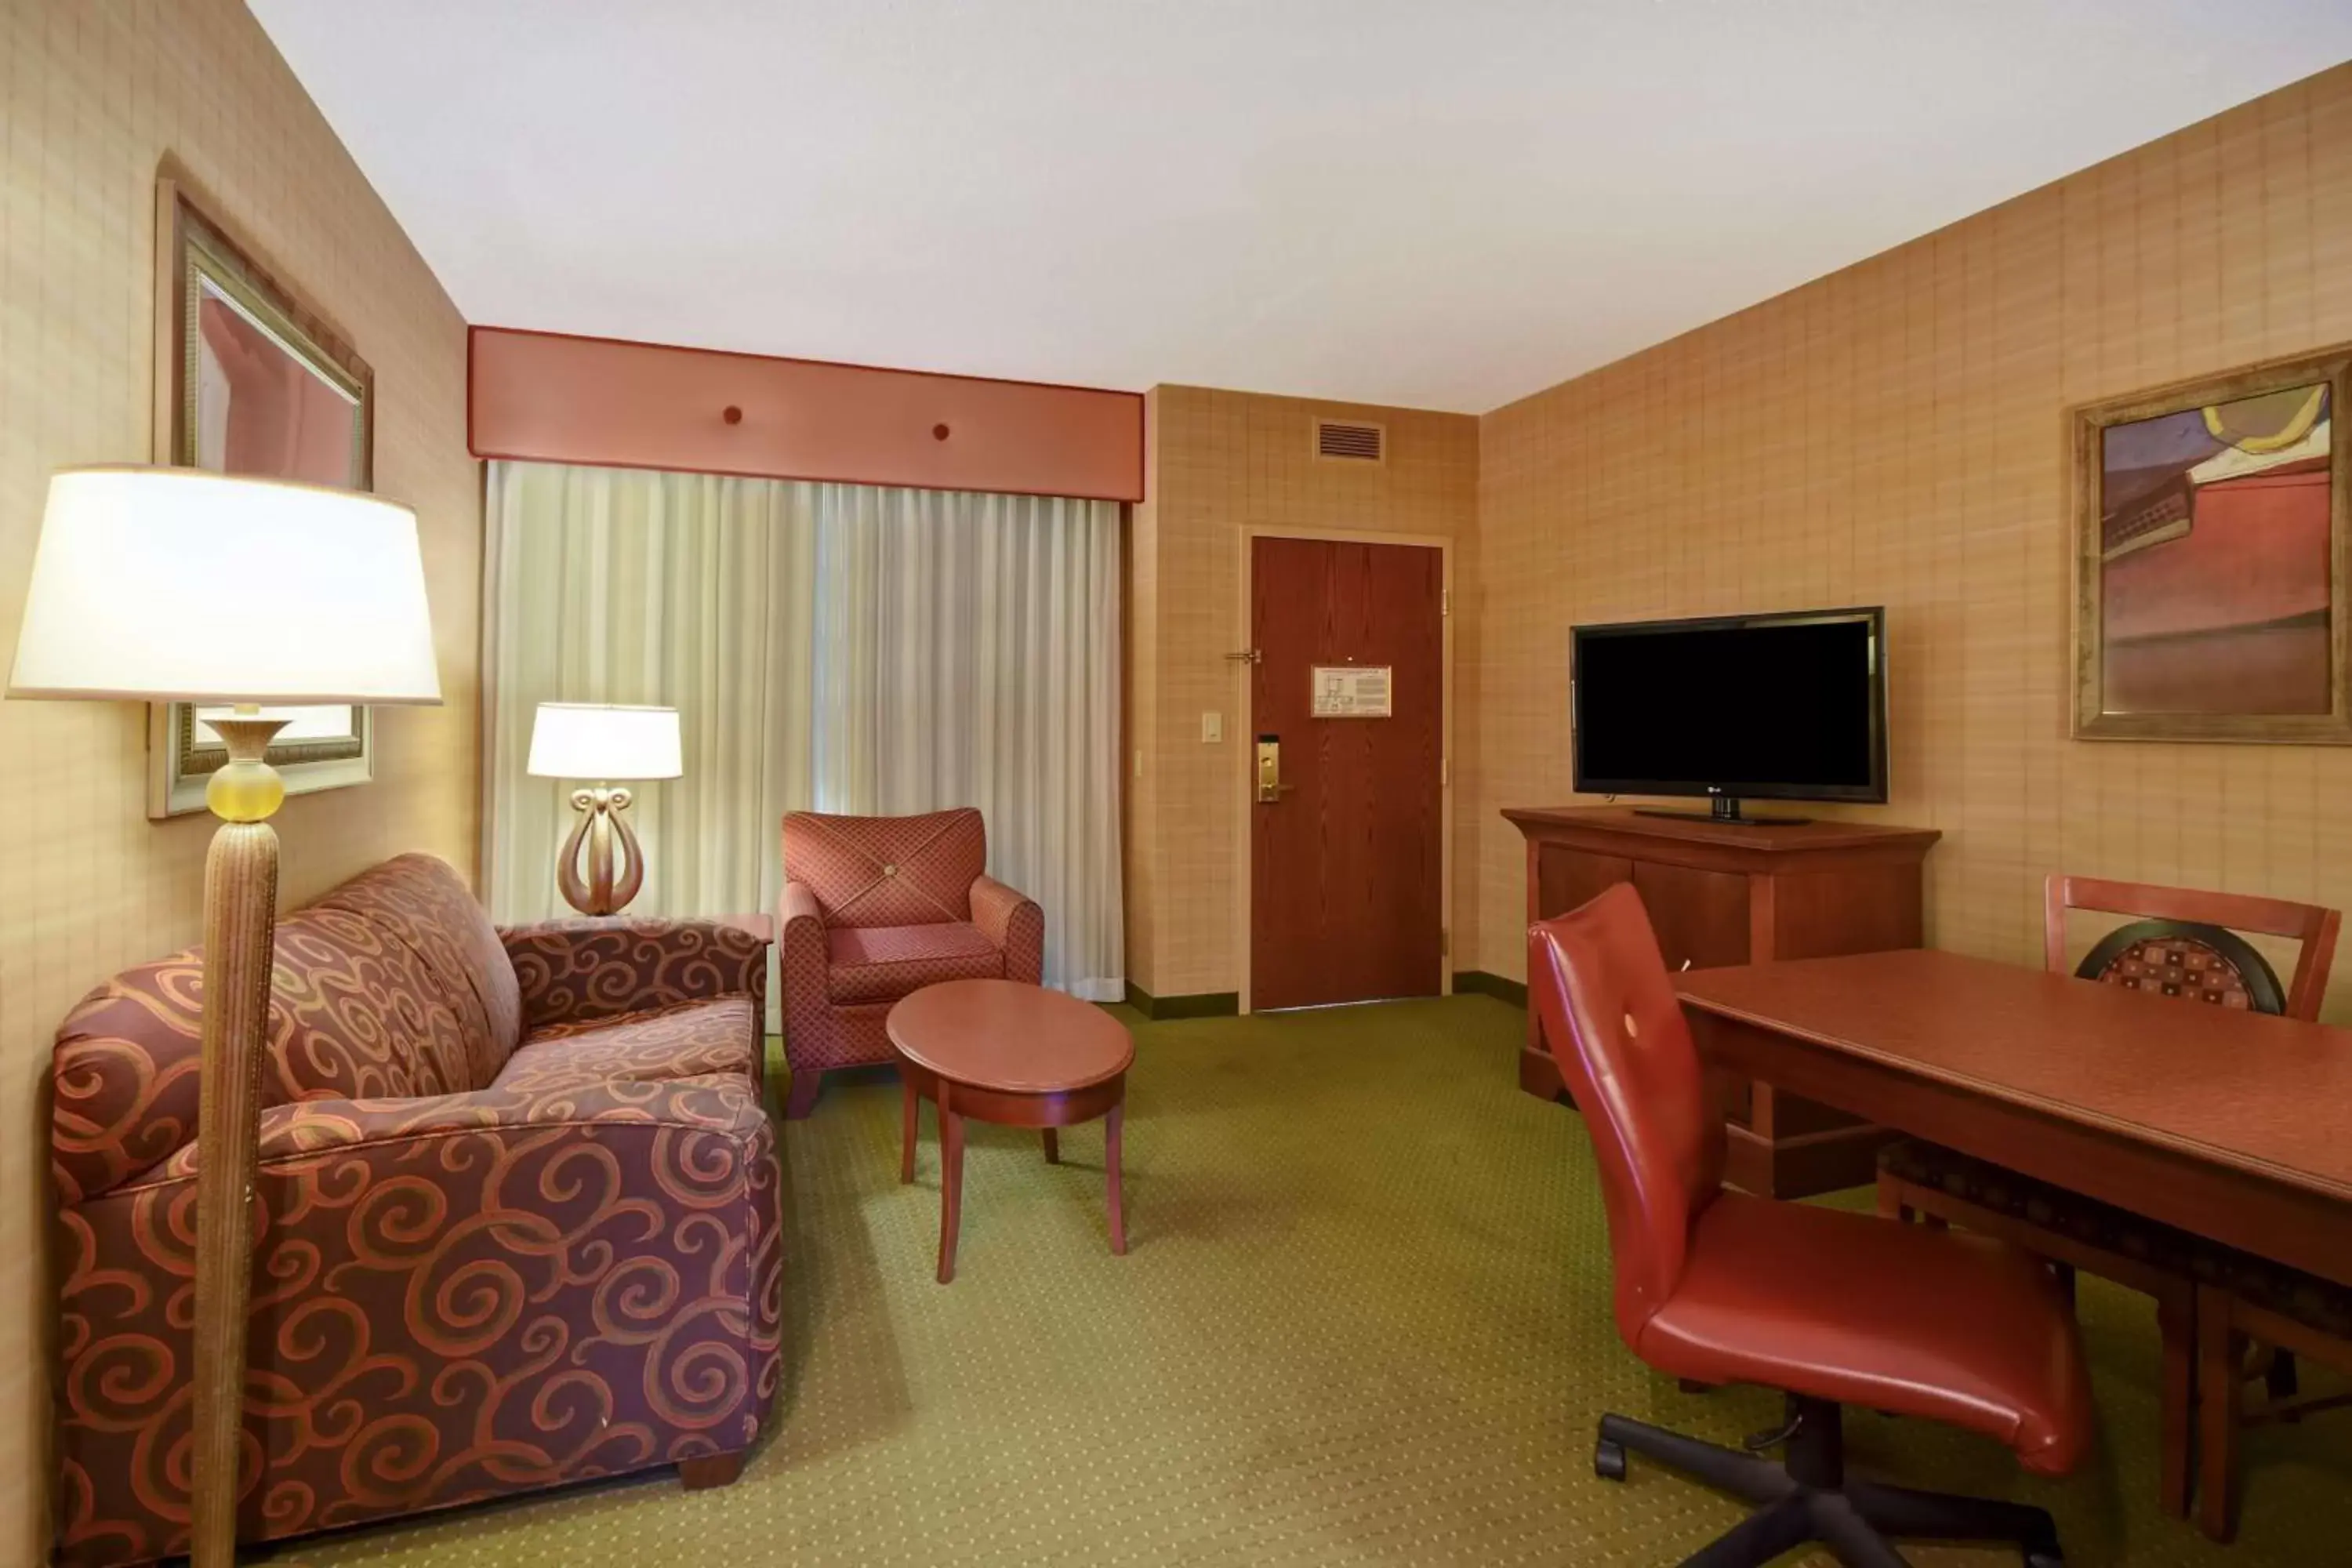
x=1830, y=1307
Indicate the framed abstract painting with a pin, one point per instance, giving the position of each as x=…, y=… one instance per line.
x=2210, y=557
x=249, y=381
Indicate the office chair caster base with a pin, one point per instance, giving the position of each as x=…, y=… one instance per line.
x=1806, y=1497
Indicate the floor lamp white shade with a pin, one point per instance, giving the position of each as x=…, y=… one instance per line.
x=182, y=585
x=178, y=584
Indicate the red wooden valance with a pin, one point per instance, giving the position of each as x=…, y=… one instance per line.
x=548, y=398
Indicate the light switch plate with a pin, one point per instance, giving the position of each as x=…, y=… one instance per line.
x=1213, y=726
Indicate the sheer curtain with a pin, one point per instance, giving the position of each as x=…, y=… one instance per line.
x=835, y=647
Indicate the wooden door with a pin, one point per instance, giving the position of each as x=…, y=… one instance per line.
x=1346, y=862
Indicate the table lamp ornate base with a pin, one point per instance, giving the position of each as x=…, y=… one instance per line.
x=600, y=833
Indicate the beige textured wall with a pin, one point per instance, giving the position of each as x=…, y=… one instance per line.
x=1222, y=461
x=1894, y=433
x=92, y=94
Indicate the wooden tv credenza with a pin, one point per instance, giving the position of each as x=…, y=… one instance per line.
x=1720, y=893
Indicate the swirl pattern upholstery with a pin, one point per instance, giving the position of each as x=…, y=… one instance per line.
x=574, y=973
x=875, y=907
x=520, y=1217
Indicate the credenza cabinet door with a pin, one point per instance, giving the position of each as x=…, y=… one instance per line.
x=1739, y=894
x=1701, y=917
x=1567, y=879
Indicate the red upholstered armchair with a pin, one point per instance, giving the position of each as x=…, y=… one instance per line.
x=875, y=907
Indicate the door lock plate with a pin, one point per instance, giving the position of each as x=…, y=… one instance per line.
x=1269, y=770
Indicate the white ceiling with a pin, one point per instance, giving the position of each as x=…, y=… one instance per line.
x=1447, y=205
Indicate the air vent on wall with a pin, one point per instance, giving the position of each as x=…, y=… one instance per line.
x=1349, y=442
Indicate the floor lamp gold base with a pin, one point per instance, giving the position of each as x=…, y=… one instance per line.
x=601, y=829
x=240, y=920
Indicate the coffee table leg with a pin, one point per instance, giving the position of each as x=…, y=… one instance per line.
x=1053, y=1147
x=1111, y=1126
x=951, y=1181
x=910, y=1119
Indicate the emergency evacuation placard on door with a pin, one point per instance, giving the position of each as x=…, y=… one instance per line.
x=1351, y=690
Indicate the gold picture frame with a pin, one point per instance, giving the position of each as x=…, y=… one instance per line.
x=250, y=380
x=2212, y=537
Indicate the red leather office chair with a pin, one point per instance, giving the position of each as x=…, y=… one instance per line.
x=1830, y=1307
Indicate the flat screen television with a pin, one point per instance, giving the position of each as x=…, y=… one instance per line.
x=1779, y=707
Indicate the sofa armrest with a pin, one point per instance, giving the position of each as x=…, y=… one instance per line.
x=571, y=971
x=578, y=1282
x=1015, y=923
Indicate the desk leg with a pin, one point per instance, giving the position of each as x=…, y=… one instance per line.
x=911, y=1121
x=951, y=1180
x=2221, y=1352
x=1112, y=1126
x=2176, y=1318
x=1053, y=1147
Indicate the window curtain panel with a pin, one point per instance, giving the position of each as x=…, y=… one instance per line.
x=835, y=648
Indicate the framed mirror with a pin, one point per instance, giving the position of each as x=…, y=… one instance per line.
x=249, y=381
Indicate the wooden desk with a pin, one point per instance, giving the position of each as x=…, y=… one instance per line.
x=2230, y=1125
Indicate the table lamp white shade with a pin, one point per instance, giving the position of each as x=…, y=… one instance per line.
x=180, y=585
x=603, y=741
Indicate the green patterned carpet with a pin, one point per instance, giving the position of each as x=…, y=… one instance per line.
x=1364, y=1319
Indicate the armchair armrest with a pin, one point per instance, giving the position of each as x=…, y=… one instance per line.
x=1015, y=923
x=802, y=962
x=575, y=970
x=798, y=906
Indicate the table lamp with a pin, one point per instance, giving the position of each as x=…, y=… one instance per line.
x=181, y=585
x=603, y=741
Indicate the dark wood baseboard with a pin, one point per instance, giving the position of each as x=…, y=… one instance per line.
x=1515, y=992
x=1202, y=1004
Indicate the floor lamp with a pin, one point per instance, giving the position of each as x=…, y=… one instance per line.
x=180, y=586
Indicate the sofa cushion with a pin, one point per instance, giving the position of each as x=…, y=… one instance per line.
x=422, y=901
x=888, y=870
x=354, y=1013
x=681, y=1040
x=882, y=963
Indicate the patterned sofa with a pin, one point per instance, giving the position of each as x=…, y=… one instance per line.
x=518, y=1196
x=875, y=907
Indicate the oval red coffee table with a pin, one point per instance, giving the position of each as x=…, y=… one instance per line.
x=1016, y=1055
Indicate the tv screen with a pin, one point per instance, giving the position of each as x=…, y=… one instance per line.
x=1782, y=707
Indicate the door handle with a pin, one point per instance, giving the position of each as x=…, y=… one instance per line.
x=1269, y=770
